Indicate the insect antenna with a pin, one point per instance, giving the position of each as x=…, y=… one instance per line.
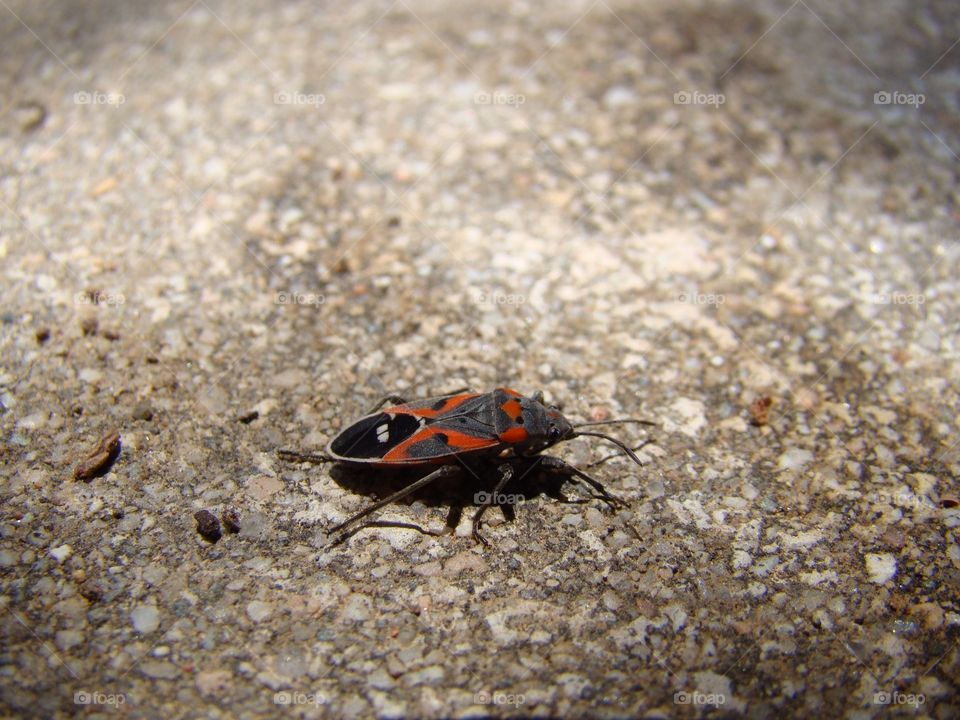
x=621, y=421
x=630, y=454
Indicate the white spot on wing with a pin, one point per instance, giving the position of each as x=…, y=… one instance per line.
x=383, y=432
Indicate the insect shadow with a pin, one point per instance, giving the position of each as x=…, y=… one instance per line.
x=471, y=488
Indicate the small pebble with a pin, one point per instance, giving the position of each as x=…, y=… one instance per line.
x=89, y=326
x=258, y=611
x=98, y=461
x=231, y=520
x=207, y=525
x=31, y=115
x=574, y=686
x=91, y=590
x=159, y=669
x=881, y=567
x=61, y=553
x=145, y=618
x=794, y=459
x=66, y=639
x=213, y=683
x=620, y=96
x=142, y=411
x=357, y=607
x=760, y=410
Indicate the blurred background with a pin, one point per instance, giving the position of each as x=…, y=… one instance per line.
x=231, y=227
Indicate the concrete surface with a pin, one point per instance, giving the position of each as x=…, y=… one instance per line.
x=227, y=228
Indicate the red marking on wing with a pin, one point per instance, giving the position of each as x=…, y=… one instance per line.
x=513, y=409
x=465, y=441
x=426, y=410
x=514, y=435
x=457, y=442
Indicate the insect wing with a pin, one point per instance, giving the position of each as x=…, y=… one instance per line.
x=437, y=407
x=371, y=437
x=451, y=425
x=420, y=432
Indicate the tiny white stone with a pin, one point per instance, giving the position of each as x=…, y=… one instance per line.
x=677, y=615
x=881, y=567
x=357, y=607
x=692, y=415
x=33, y=421
x=710, y=683
x=620, y=96
x=794, y=459
x=802, y=541
x=258, y=611
x=145, y=618
x=66, y=639
x=61, y=553
x=573, y=684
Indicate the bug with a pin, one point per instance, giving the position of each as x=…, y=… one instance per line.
x=462, y=432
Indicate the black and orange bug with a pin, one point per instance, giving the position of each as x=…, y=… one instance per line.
x=461, y=431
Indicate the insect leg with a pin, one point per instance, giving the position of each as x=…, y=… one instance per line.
x=395, y=399
x=601, y=461
x=506, y=472
x=562, y=467
x=308, y=457
x=442, y=472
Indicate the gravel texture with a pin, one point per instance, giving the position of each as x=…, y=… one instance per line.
x=227, y=228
